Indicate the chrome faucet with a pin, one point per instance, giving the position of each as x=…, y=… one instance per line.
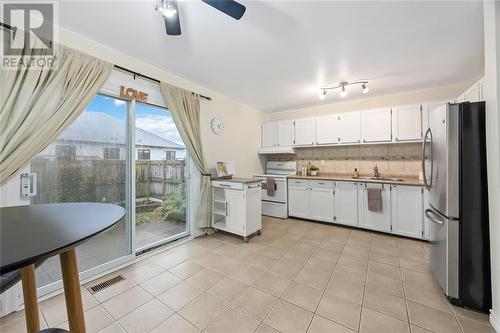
x=375, y=172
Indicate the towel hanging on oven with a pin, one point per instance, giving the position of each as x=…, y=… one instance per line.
x=270, y=186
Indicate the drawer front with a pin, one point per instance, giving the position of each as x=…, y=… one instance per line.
x=321, y=184
x=225, y=184
x=298, y=182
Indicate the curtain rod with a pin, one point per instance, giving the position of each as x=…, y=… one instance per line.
x=151, y=79
x=14, y=29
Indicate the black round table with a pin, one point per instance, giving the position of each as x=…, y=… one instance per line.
x=31, y=233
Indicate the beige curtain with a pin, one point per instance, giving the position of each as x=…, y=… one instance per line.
x=36, y=105
x=185, y=109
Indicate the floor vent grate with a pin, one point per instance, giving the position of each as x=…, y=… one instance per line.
x=105, y=284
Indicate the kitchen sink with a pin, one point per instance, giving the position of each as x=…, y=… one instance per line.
x=380, y=178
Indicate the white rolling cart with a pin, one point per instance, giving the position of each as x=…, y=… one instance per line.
x=237, y=206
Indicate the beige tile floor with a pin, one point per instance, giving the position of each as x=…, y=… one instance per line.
x=298, y=276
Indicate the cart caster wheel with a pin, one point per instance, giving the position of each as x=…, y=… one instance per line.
x=259, y=233
x=245, y=239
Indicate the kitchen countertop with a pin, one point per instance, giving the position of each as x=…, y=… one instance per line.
x=331, y=176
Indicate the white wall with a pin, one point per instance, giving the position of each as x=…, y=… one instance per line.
x=241, y=138
x=448, y=93
x=492, y=98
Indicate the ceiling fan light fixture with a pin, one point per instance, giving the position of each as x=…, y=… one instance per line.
x=168, y=10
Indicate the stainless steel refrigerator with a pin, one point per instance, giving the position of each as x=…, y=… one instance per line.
x=454, y=167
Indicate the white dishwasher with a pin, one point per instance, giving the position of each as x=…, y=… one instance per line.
x=237, y=206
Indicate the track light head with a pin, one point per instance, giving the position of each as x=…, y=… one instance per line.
x=322, y=94
x=343, y=91
x=365, y=88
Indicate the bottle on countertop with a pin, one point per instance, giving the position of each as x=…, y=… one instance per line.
x=355, y=174
x=308, y=167
x=304, y=170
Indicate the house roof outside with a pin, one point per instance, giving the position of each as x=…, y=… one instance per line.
x=97, y=127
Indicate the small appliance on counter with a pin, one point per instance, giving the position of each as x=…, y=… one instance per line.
x=236, y=202
x=454, y=172
x=274, y=184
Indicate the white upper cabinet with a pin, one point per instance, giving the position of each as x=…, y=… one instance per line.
x=376, y=125
x=305, y=132
x=375, y=220
x=350, y=127
x=401, y=124
x=327, y=130
x=407, y=211
x=345, y=203
x=285, y=133
x=407, y=123
x=269, y=134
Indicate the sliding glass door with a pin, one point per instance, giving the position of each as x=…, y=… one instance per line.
x=88, y=163
x=119, y=152
x=160, y=178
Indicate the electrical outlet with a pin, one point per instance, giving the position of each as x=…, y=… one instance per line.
x=322, y=162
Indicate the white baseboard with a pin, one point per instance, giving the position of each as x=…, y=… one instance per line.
x=495, y=322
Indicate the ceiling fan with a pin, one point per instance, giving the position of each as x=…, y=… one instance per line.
x=168, y=9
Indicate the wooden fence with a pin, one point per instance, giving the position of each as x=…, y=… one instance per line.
x=104, y=180
x=157, y=178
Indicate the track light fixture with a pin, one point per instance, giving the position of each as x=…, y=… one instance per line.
x=342, y=85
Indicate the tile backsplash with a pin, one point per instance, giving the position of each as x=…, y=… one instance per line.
x=401, y=159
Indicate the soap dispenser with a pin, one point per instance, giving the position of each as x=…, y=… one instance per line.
x=355, y=174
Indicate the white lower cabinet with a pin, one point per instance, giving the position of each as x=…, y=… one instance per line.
x=235, y=210
x=345, y=203
x=311, y=199
x=380, y=221
x=298, y=198
x=407, y=211
x=321, y=200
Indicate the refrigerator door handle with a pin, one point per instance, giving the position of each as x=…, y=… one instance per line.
x=433, y=216
x=428, y=134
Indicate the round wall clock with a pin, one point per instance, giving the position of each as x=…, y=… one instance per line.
x=217, y=126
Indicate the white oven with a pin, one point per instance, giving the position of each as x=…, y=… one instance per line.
x=280, y=188
x=275, y=201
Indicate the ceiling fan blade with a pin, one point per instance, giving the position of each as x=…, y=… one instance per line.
x=228, y=7
x=173, y=22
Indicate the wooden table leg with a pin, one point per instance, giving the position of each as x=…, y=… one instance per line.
x=30, y=299
x=72, y=291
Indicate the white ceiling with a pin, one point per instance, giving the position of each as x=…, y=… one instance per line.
x=280, y=52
